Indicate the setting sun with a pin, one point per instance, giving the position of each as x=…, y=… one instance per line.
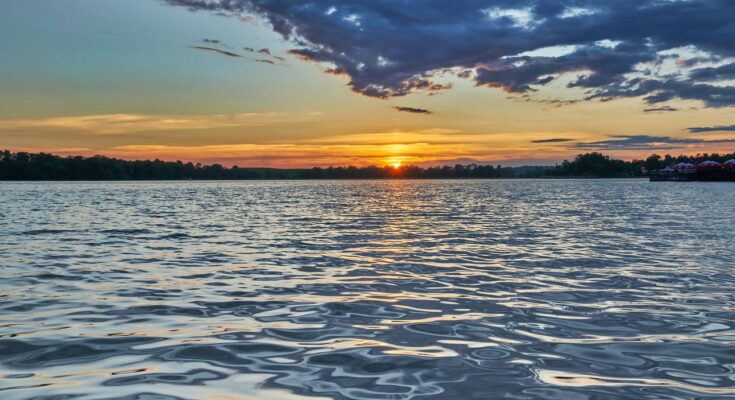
x=396, y=165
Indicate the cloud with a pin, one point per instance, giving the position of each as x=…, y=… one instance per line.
x=413, y=110
x=552, y=140
x=116, y=124
x=387, y=48
x=660, y=109
x=723, y=72
x=719, y=128
x=235, y=55
x=219, y=51
x=646, y=142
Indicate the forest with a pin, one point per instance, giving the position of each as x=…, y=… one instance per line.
x=43, y=166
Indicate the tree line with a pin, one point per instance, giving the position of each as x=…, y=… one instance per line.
x=43, y=166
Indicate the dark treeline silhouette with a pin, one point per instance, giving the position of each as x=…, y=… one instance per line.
x=601, y=166
x=409, y=172
x=42, y=166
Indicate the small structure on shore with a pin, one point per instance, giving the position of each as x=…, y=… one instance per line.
x=684, y=167
x=704, y=171
x=708, y=165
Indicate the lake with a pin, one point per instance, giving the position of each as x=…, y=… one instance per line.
x=512, y=289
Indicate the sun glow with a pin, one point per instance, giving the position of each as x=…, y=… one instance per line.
x=394, y=162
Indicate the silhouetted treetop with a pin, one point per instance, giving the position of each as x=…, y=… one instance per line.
x=43, y=166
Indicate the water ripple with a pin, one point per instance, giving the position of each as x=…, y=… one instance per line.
x=569, y=290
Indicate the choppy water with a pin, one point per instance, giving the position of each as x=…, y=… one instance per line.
x=522, y=289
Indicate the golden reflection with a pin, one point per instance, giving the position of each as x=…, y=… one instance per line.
x=582, y=380
x=600, y=339
x=447, y=317
x=358, y=343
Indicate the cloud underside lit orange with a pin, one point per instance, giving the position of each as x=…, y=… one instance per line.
x=254, y=140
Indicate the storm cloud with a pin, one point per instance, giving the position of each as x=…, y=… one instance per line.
x=659, y=50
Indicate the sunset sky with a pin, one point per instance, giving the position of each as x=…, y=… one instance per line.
x=305, y=83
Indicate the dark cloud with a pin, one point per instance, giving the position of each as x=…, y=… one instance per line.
x=217, y=42
x=609, y=49
x=232, y=54
x=264, y=51
x=554, y=140
x=656, y=91
x=605, y=67
x=413, y=110
x=335, y=71
x=660, y=109
x=219, y=51
x=644, y=142
x=723, y=72
x=719, y=128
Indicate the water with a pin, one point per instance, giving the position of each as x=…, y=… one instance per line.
x=565, y=290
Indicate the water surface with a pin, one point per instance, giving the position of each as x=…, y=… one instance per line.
x=519, y=289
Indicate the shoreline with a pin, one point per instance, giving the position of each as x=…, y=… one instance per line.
x=543, y=178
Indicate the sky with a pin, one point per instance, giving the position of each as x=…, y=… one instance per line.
x=278, y=83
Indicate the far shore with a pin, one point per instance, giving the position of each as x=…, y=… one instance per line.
x=21, y=166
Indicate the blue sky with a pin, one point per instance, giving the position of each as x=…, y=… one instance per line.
x=91, y=56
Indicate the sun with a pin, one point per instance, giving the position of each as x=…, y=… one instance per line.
x=394, y=162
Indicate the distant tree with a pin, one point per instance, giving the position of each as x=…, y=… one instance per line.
x=653, y=162
x=42, y=166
